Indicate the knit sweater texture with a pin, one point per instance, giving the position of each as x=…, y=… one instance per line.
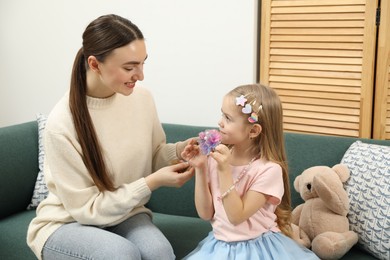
x=133, y=145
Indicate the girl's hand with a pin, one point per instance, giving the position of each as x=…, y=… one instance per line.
x=190, y=150
x=180, y=147
x=222, y=155
x=193, y=155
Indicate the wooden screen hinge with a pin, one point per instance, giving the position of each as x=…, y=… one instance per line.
x=378, y=16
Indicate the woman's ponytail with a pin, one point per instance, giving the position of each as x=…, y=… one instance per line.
x=85, y=130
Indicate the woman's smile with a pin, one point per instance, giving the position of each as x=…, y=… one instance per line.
x=130, y=84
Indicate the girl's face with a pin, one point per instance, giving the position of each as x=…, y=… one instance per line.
x=121, y=70
x=233, y=125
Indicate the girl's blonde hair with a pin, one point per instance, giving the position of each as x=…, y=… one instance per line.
x=270, y=143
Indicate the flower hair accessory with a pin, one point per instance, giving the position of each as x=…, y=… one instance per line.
x=208, y=140
x=247, y=108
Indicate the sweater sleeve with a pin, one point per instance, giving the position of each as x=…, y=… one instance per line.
x=69, y=180
x=164, y=153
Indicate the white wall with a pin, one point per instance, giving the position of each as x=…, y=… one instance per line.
x=198, y=50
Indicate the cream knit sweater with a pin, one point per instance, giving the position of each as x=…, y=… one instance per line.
x=133, y=144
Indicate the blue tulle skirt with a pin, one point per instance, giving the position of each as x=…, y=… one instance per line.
x=269, y=246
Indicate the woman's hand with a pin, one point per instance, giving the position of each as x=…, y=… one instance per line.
x=170, y=176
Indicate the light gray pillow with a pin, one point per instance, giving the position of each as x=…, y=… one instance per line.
x=40, y=189
x=368, y=189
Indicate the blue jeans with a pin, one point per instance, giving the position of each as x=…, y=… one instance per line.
x=135, y=238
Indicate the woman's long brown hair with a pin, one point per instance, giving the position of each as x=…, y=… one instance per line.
x=270, y=143
x=100, y=38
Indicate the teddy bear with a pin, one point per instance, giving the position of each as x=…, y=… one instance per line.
x=321, y=222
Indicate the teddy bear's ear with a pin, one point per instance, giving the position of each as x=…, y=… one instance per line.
x=342, y=171
x=296, y=183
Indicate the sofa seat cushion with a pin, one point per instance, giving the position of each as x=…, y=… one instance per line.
x=356, y=253
x=184, y=233
x=13, y=231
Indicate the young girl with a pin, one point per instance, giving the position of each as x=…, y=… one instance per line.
x=243, y=186
x=104, y=153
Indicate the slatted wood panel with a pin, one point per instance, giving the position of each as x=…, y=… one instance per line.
x=382, y=108
x=319, y=56
x=382, y=88
x=387, y=128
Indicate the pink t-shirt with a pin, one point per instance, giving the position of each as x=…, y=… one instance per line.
x=262, y=176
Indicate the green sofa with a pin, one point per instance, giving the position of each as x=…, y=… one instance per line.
x=174, y=210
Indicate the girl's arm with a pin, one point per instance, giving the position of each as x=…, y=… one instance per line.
x=240, y=209
x=203, y=199
x=237, y=209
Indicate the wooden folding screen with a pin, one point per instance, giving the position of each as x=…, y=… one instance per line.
x=319, y=55
x=382, y=83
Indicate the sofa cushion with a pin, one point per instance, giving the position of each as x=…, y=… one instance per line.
x=13, y=243
x=184, y=233
x=356, y=253
x=40, y=189
x=369, y=193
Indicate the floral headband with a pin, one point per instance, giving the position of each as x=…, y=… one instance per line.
x=247, y=108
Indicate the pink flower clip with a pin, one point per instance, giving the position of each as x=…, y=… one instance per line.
x=208, y=140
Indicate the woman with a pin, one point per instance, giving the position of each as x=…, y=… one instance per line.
x=105, y=149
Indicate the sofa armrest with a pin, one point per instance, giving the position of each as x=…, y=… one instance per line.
x=19, y=166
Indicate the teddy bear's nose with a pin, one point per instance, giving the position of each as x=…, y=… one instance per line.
x=308, y=186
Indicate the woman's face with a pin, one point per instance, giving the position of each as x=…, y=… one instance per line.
x=121, y=70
